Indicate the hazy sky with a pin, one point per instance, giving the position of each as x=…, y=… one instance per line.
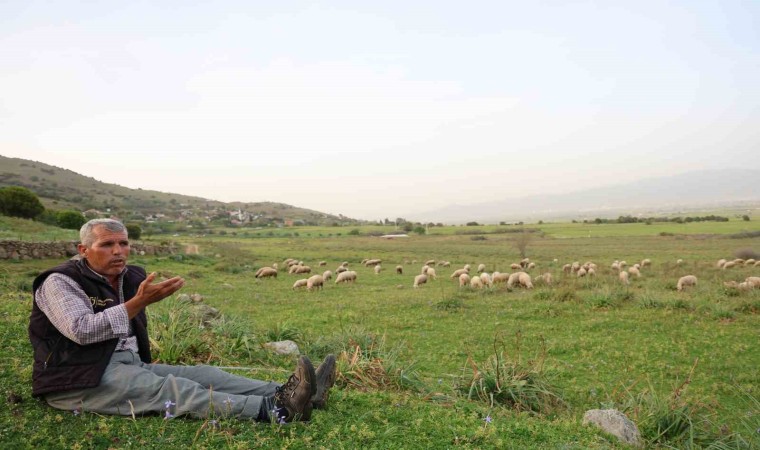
x=379, y=110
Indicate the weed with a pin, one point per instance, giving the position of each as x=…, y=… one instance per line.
x=565, y=295
x=282, y=331
x=649, y=301
x=543, y=294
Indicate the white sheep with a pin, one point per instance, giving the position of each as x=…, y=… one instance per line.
x=679, y=261
x=341, y=269
x=635, y=271
x=314, y=281
x=424, y=269
x=431, y=273
x=348, y=276
x=499, y=277
x=322, y=263
x=302, y=269
x=576, y=266
x=646, y=262
x=546, y=278
x=531, y=266
x=750, y=262
x=419, y=279
x=728, y=265
x=591, y=272
x=720, y=263
x=524, y=280
x=512, y=279
x=372, y=262
x=327, y=275
x=275, y=266
x=566, y=268
x=515, y=266
x=378, y=268
x=525, y=262
x=754, y=282
x=464, y=279
x=300, y=283
x=476, y=283
x=688, y=280
x=481, y=268
x=581, y=272
x=266, y=272
x=623, y=276
x=446, y=264
x=467, y=268
x=486, y=279
x=430, y=262
x=457, y=273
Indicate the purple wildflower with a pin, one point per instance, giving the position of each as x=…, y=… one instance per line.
x=168, y=404
x=75, y=412
x=488, y=419
x=168, y=415
x=229, y=402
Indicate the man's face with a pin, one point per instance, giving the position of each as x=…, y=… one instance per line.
x=108, y=253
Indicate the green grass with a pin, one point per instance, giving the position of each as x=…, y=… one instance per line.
x=589, y=342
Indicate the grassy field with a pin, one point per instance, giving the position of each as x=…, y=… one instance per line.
x=683, y=365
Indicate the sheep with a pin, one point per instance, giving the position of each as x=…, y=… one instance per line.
x=399, y=270
x=424, y=269
x=513, y=279
x=348, y=276
x=546, y=278
x=344, y=264
x=615, y=266
x=293, y=268
x=419, y=279
x=467, y=268
x=327, y=275
x=300, y=283
x=566, y=268
x=728, y=265
x=378, y=268
x=591, y=272
x=622, y=264
x=749, y=262
x=486, y=279
x=430, y=262
x=341, y=269
x=457, y=273
x=322, y=263
x=688, y=280
x=739, y=262
x=266, y=272
x=302, y=269
x=531, y=266
x=581, y=272
x=515, y=266
x=481, y=268
x=720, y=263
x=635, y=271
x=363, y=261
x=498, y=277
x=679, y=261
x=431, y=273
x=575, y=267
x=646, y=262
x=623, y=277
x=314, y=281
x=524, y=280
x=525, y=262
x=754, y=282
x=464, y=279
x=744, y=286
x=372, y=262
x=637, y=266
x=476, y=283
x=757, y=263
x=446, y=264
x=275, y=266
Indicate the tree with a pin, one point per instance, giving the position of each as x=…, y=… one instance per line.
x=70, y=219
x=419, y=230
x=18, y=201
x=521, y=242
x=134, y=231
x=745, y=218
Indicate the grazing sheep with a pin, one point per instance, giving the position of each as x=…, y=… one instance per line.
x=481, y=268
x=591, y=272
x=749, y=262
x=525, y=262
x=728, y=265
x=424, y=269
x=581, y=272
x=430, y=262
x=679, y=261
x=372, y=262
x=292, y=269
x=476, y=283
x=739, y=262
x=524, y=280
x=431, y=273
x=445, y=264
x=688, y=280
x=513, y=278
x=275, y=266
x=363, y=261
x=499, y=277
x=515, y=266
x=546, y=278
x=266, y=272
x=646, y=262
x=348, y=276
x=486, y=279
x=575, y=267
x=744, y=286
x=300, y=283
x=635, y=271
x=753, y=281
x=341, y=269
x=720, y=263
x=314, y=281
x=399, y=270
x=464, y=279
x=623, y=276
x=637, y=266
x=531, y=266
x=378, y=268
x=457, y=273
x=302, y=269
x=566, y=268
x=419, y=279
x=467, y=268
x=345, y=264
x=615, y=266
x=757, y=263
x=322, y=263
x=327, y=275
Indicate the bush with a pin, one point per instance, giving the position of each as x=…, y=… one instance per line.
x=18, y=201
x=134, y=231
x=70, y=219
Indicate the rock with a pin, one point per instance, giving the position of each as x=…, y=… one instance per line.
x=184, y=298
x=283, y=347
x=206, y=313
x=71, y=250
x=196, y=297
x=616, y=423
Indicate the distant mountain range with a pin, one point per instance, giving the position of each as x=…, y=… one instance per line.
x=702, y=189
x=60, y=188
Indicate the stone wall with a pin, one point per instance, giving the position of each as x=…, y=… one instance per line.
x=20, y=250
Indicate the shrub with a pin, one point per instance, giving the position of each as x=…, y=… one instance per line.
x=17, y=201
x=70, y=219
x=565, y=295
x=747, y=253
x=134, y=231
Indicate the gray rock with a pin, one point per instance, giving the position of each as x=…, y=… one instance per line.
x=184, y=298
x=615, y=423
x=196, y=297
x=206, y=313
x=283, y=347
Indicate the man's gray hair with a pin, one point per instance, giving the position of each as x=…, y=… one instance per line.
x=87, y=234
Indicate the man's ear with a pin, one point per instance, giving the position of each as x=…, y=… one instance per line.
x=81, y=248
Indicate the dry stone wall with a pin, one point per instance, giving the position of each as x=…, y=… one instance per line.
x=21, y=250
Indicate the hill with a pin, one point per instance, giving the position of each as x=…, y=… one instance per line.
x=64, y=189
x=708, y=190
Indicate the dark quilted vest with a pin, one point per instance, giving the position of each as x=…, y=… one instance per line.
x=61, y=364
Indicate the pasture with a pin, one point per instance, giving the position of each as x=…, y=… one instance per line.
x=415, y=364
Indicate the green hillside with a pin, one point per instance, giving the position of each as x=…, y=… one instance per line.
x=64, y=189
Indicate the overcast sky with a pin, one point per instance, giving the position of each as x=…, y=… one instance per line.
x=381, y=109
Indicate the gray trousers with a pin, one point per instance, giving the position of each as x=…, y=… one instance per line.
x=130, y=386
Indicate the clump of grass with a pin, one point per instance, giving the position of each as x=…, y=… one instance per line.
x=649, y=301
x=748, y=307
x=609, y=298
x=282, y=331
x=178, y=336
x=680, y=304
x=724, y=314
x=510, y=381
x=543, y=294
x=565, y=295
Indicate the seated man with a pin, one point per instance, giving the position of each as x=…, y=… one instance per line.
x=89, y=332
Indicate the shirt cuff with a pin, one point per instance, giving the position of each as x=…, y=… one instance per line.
x=119, y=319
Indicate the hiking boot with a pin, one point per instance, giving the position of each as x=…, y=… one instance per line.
x=325, y=380
x=295, y=395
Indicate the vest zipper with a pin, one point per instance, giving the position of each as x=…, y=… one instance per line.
x=52, y=349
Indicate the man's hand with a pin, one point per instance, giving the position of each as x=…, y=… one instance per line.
x=149, y=293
